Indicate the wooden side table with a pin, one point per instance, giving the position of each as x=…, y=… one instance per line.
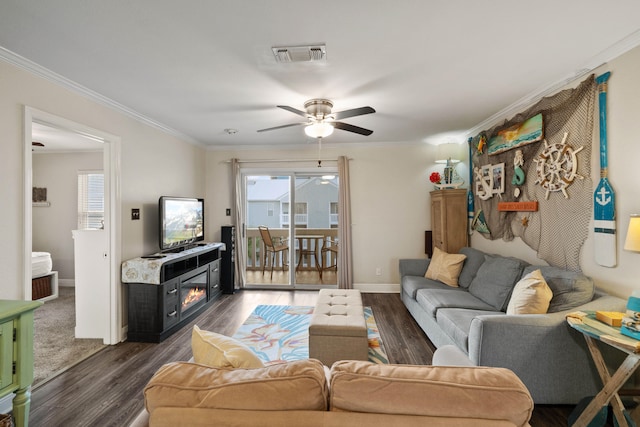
x=16, y=355
x=593, y=331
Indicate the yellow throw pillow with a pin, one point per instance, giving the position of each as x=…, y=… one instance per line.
x=220, y=351
x=445, y=267
x=531, y=295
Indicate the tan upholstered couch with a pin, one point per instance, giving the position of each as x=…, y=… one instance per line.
x=354, y=393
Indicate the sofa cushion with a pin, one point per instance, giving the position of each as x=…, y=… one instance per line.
x=411, y=284
x=495, y=280
x=456, y=323
x=445, y=267
x=570, y=289
x=475, y=259
x=439, y=391
x=431, y=300
x=531, y=295
x=297, y=385
x=220, y=351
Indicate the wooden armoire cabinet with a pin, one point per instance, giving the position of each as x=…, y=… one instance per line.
x=449, y=219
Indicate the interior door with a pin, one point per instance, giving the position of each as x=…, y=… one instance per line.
x=91, y=283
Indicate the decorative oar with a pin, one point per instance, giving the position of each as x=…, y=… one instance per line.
x=470, y=207
x=604, y=198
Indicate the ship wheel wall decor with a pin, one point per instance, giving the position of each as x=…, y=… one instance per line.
x=557, y=167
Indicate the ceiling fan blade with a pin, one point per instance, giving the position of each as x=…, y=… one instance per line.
x=351, y=128
x=283, y=126
x=293, y=110
x=354, y=112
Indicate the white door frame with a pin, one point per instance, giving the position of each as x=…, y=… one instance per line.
x=111, y=161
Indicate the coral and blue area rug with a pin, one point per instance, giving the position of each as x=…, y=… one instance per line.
x=280, y=333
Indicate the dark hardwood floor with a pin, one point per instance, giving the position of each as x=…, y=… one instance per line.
x=106, y=389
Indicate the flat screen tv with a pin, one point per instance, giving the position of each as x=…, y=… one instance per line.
x=181, y=221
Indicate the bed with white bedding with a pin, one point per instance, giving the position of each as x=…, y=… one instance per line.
x=44, y=281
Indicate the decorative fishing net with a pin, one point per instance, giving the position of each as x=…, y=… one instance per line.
x=559, y=228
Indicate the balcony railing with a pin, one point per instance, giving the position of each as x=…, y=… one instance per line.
x=301, y=219
x=256, y=250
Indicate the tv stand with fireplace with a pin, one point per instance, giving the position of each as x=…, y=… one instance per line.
x=166, y=290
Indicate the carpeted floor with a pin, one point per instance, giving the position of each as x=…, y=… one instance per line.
x=281, y=333
x=54, y=346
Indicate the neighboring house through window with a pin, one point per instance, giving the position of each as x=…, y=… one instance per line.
x=333, y=215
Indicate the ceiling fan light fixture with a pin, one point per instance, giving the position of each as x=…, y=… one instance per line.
x=319, y=130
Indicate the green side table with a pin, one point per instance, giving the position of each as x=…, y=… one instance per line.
x=16, y=355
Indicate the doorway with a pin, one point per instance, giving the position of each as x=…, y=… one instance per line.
x=299, y=209
x=110, y=308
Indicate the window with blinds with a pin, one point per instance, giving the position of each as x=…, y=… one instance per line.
x=90, y=199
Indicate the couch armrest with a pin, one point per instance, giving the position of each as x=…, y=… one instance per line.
x=549, y=356
x=413, y=267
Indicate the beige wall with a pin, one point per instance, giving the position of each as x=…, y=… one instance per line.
x=623, y=107
x=153, y=163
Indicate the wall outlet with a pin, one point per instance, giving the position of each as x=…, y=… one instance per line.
x=228, y=212
x=378, y=271
x=135, y=214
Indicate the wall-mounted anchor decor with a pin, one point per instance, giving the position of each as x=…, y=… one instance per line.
x=489, y=180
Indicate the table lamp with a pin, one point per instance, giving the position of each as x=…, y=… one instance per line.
x=632, y=242
x=631, y=322
x=448, y=153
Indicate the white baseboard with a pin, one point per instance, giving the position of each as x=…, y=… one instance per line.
x=383, y=288
x=71, y=283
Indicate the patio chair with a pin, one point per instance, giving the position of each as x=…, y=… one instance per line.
x=272, y=247
x=329, y=246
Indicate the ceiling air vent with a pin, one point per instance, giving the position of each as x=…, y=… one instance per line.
x=300, y=53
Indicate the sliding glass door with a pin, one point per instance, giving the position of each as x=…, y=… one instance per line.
x=291, y=229
x=267, y=229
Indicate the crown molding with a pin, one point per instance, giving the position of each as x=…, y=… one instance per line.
x=614, y=51
x=25, y=64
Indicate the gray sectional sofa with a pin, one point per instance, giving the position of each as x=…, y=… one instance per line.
x=549, y=357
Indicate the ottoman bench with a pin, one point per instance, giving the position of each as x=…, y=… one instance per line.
x=338, y=330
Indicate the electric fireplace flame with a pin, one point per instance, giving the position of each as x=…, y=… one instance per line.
x=193, y=296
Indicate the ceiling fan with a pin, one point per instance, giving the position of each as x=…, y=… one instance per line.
x=321, y=121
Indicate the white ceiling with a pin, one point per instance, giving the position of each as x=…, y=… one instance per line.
x=427, y=67
x=56, y=139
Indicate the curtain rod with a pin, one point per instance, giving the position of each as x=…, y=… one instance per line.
x=283, y=160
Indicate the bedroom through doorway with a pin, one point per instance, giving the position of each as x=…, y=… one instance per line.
x=59, y=153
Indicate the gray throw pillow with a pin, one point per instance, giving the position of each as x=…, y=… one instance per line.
x=495, y=280
x=475, y=259
x=570, y=289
